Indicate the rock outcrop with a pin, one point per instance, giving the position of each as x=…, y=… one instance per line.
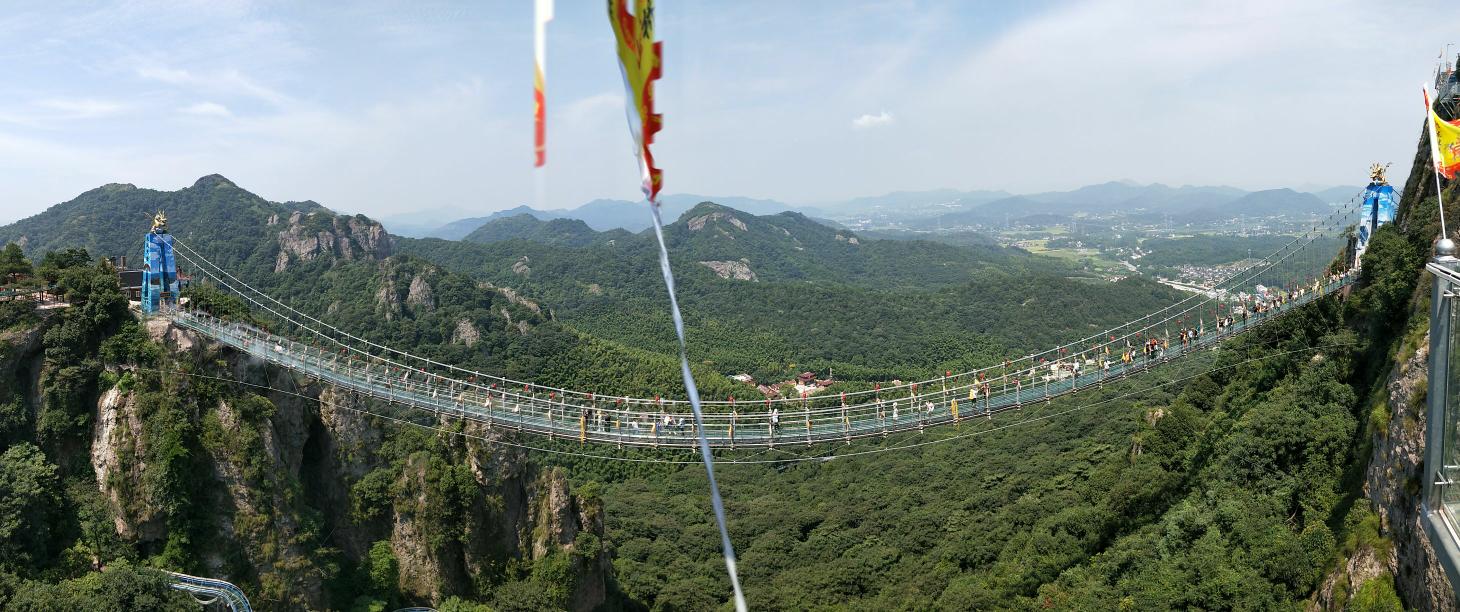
x=465, y=333
x=118, y=450
x=736, y=270
x=404, y=288
x=419, y=296
x=319, y=235
x=514, y=297
x=1365, y=564
x=696, y=224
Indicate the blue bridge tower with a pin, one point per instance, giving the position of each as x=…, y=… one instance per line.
x=159, y=271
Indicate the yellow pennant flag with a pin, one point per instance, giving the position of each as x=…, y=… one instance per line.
x=1448, y=142
x=639, y=59
x=1444, y=142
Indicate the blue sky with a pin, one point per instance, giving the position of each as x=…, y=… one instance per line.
x=386, y=108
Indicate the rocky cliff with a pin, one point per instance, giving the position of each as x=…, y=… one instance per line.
x=306, y=237
x=292, y=484
x=1393, y=484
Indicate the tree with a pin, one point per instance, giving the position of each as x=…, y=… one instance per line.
x=28, y=492
x=384, y=569
x=13, y=264
x=56, y=261
x=122, y=587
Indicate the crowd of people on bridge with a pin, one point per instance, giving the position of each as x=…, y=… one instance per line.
x=922, y=406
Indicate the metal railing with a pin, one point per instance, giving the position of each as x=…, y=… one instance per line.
x=208, y=591
x=1441, y=496
x=654, y=423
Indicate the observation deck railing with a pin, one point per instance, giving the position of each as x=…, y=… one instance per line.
x=1440, y=505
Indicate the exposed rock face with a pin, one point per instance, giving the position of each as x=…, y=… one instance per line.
x=528, y=511
x=521, y=326
x=117, y=451
x=419, y=296
x=279, y=466
x=312, y=236
x=424, y=571
x=521, y=267
x=1339, y=587
x=737, y=270
x=351, y=433
x=262, y=517
x=1393, y=484
x=465, y=333
x=698, y=223
x=516, y=298
x=371, y=237
x=387, y=303
x=560, y=517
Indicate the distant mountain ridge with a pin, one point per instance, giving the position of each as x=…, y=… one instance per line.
x=1261, y=203
x=939, y=208
x=560, y=231
x=1186, y=204
x=607, y=214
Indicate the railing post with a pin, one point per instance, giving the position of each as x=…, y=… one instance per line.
x=1438, y=369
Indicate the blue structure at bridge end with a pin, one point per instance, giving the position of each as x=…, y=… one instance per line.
x=159, y=270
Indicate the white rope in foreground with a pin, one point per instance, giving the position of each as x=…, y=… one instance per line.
x=694, y=402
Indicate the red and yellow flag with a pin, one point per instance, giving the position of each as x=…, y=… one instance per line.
x=1444, y=142
x=542, y=15
x=639, y=58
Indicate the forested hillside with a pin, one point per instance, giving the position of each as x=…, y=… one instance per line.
x=777, y=294
x=1230, y=482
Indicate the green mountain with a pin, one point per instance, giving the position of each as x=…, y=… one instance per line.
x=346, y=268
x=111, y=219
x=769, y=295
x=564, y=232
x=607, y=215
x=460, y=228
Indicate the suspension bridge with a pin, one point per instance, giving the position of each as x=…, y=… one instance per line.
x=1305, y=269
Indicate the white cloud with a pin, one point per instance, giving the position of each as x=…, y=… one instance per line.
x=79, y=108
x=227, y=82
x=868, y=121
x=206, y=109
x=593, y=108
